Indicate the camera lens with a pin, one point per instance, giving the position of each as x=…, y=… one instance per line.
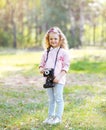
x=46, y=72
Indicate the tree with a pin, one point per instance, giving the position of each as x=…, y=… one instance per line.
x=54, y=14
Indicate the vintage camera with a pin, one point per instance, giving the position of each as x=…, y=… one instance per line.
x=49, y=73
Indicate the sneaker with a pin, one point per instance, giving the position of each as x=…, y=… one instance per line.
x=47, y=120
x=54, y=121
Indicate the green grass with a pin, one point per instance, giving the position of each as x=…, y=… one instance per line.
x=85, y=108
x=27, y=62
x=87, y=66
x=24, y=107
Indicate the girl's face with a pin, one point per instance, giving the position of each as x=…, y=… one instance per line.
x=54, y=39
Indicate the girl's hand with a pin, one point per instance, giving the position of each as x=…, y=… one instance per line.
x=55, y=80
x=41, y=70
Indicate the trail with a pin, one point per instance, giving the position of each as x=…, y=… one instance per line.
x=74, y=79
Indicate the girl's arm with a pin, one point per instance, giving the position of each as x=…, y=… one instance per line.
x=57, y=78
x=66, y=61
x=65, y=68
x=42, y=63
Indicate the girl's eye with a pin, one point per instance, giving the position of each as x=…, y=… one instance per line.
x=53, y=38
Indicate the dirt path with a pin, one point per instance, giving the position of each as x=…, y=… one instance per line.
x=72, y=80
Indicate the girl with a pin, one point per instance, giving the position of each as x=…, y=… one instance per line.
x=57, y=58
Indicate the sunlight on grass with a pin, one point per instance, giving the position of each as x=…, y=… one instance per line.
x=18, y=62
x=17, y=59
x=93, y=53
x=84, y=60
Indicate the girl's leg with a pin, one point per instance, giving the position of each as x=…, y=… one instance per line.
x=58, y=93
x=51, y=110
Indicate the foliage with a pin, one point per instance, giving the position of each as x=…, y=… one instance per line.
x=26, y=21
x=5, y=39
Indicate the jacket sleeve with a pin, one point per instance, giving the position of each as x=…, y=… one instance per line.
x=66, y=61
x=42, y=62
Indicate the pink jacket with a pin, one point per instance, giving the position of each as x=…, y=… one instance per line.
x=63, y=61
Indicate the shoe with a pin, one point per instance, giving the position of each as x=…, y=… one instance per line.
x=47, y=120
x=54, y=121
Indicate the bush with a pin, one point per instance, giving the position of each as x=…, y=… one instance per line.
x=5, y=39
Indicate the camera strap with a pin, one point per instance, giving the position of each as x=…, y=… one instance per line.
x=48, y=50
x=56, y=58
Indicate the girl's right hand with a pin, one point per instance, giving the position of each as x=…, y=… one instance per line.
x=41, y=70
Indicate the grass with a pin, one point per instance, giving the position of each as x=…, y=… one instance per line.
x=19, y=61
x=87, y=66
x=24, y=106
x=85, y=108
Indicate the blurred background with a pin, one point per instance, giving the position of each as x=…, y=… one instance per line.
x=23, y=23
x=23, y=100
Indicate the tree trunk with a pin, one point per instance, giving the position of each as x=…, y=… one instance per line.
x=94, y=28
x=81, y=25
x=13, y=28
x=11, y=9
x=102, y=34
x=14, y=35
x=77, y=26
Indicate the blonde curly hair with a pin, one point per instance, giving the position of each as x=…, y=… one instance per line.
x=63, y=41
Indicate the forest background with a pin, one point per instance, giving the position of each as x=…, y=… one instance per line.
x=23, y=23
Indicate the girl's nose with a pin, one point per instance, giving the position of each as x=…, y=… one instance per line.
x=53, y=40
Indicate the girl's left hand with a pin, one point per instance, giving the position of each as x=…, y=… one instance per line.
x=55, y=80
